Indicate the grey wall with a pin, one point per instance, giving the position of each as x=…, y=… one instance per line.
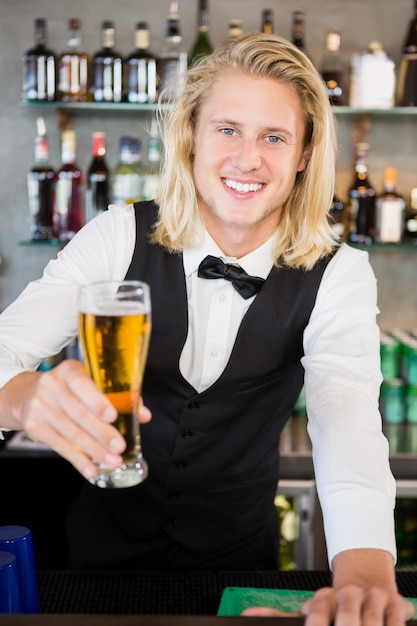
x=393, y=140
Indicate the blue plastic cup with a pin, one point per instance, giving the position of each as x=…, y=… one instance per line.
x=10, y=597
x=18, y=541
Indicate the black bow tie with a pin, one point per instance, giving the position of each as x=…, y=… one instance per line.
x=246, y=285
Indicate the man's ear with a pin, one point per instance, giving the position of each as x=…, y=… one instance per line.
x=305, y=157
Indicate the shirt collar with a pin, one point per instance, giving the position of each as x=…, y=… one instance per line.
x=257, y=263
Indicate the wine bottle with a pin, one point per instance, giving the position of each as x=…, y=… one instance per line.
x=298, y=34
x=267, y=21
x=173, y=60
x=41, y=188
x=39, y=67
x=68, y=213
x=98, y=175
x=389, y=210
x=332, y=68
x=407, y=77
x=362, y=200
x=141, y=69
x=128, y=173
x=152, y=169
x=202, y=44
x=74, y=67
x=107, y=68
x=410, y=227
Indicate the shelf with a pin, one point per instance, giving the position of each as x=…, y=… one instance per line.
x=129, y=106
x=90, y=106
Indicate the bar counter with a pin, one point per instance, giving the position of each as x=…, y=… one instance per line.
x=169, y=593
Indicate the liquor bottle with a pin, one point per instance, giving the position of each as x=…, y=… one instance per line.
x=74, y=67
x=41, y=188
x=389, y=210
x=152, y=169
x=234, y=28
x=410, y=227
x=407, y=77
x=97, y=197
x=298, y=35
x=68, y=210
x=332, y=68
x=141, y=69
x=127, y=176
x=107, y=76
x=39, y=67
x=173, y=60
x=267, y=22
x=362, y=200
x=202, y=44
x=372, y=78
x=337, y=217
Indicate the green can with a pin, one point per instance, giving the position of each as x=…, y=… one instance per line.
x=392, y=401
x=390, y=349
x=411, y=404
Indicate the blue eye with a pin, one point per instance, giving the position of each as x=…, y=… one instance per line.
x=274, y=139
x=228, y=131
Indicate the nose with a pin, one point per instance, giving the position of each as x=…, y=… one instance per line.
x=247, y=156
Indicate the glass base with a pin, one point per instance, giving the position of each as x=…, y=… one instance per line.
x=123, y=476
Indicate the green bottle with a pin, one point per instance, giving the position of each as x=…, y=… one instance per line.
x=202, y=44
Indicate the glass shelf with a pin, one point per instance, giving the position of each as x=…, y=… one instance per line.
x=129, y=106
x=90, y=106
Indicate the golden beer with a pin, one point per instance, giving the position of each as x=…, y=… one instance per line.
x=114, y=331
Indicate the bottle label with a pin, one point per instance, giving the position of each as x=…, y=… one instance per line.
x=390, y=220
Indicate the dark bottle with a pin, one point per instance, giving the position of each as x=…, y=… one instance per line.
x=41, y=189
x=98, y=176
x=362, y=200
x=142, y=85
x=407, y=77
x=337, y=217
x=389, y=211
x=68, y=210
x=173, y=60
x=107, y=68
x=410, y=226
x=332, y=68
x=39, y=67
x=298, y=34
x=202, y=44
x=267, y=21
x=74, y=67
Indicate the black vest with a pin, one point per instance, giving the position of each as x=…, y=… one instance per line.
x=213, y=456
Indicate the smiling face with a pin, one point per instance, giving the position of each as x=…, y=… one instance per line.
x=248, y=148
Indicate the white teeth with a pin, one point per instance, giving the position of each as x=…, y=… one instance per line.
x=242, y=187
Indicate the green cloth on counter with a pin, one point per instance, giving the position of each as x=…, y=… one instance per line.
x=234, y=600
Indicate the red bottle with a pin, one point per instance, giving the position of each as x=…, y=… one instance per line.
x=68, y=209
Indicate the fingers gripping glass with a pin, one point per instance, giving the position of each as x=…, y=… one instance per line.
x=114, y=329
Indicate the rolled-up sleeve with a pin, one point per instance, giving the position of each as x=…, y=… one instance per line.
x=342, y=382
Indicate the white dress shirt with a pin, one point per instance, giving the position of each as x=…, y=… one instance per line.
x=341, y=362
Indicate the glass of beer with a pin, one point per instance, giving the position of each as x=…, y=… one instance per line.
x=114, y=329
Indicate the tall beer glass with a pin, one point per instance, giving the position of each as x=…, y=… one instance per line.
x=114, y=329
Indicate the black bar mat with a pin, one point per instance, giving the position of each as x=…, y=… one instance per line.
x=169, y=593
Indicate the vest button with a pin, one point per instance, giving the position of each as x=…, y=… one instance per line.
x=193, y=406
x=187, y=434
x=180, y=464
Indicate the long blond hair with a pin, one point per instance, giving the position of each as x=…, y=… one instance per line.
x=303, y=232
